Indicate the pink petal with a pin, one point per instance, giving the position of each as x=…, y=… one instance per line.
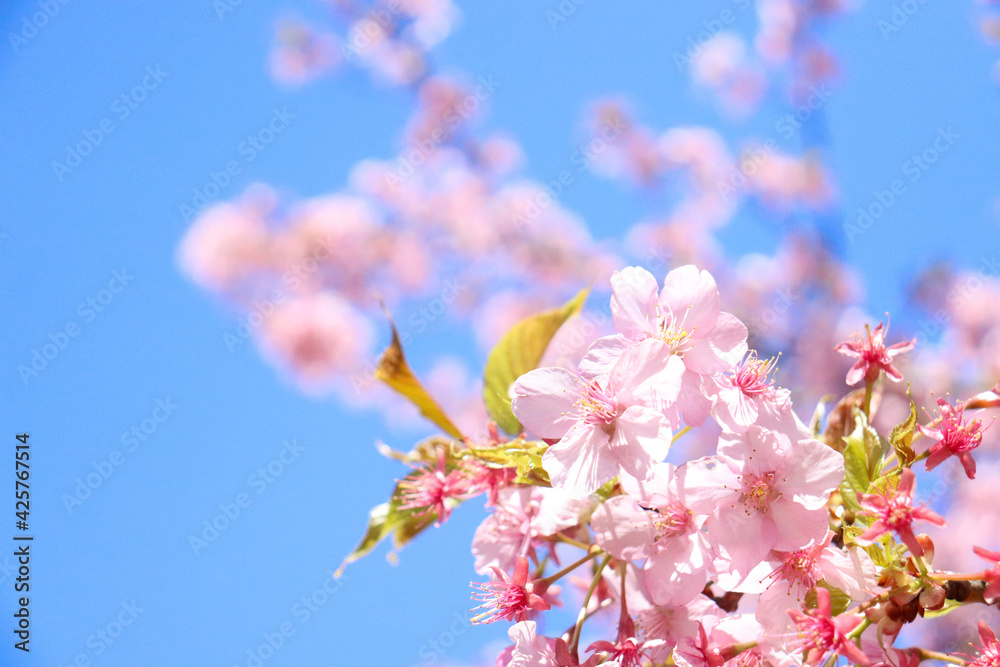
x=692, y=296
x=602, y=355
x=813, y=471
x=544, y=399
x=692, y=407
x=709, y=483
x=796, y=525
x=857, y=373
x=718, y=349
x=676, y=575
x=641, y=440
x=624, y=529
x=581, y=462
x=633, y=300
x=647, y=374
x=899, y=348
x=875, y=531
x=745, y=538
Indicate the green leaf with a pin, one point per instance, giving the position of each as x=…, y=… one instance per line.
x=378, y=528
x=425, y=451
x=529, y=467
x=839, y=600
x=856, y=477
x=949, y=606
x=395, y=372
x=387, y=520
x=518, y=352
x=525, y=455
x=901, y=437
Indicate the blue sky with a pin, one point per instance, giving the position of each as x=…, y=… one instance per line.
x=92, y=251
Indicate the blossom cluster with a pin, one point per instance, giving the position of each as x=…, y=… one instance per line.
x=711, y=522
x=788, y=545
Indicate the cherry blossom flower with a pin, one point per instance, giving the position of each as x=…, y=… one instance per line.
x=794, y=573
x=628, y=650
x=820, y=634
x=716, y=642
x=604, y=424
x=302, y=54
x=434, y=489
x=508, y=597
x=523, y=517
x=989, y=652
x=765, y=489
x=686, y=316
x=992, y=577
x=317, y=336
x=744, y=392
x=888, y=656
x=226, y=243
x=673, y=623
x=652, y=523
x=894, y=512
x=953, y=436
x=873, y=356
x=483, y=478
x=529, y=647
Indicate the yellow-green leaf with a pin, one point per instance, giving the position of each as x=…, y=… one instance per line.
x=395, y=372
x=518, y=352
x=857, y=476
x=388, y=519
x=525, y=455
x=839, y=600
x=378, y=529
x=901, y=437
x=529, y=467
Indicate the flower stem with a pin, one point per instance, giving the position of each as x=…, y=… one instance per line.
x=919, y=457
x=856, y=633
x=926, y=654
x=552, y=578
x=952, y=576
x=574, y=643
x=866, y=407
x=569, y=540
